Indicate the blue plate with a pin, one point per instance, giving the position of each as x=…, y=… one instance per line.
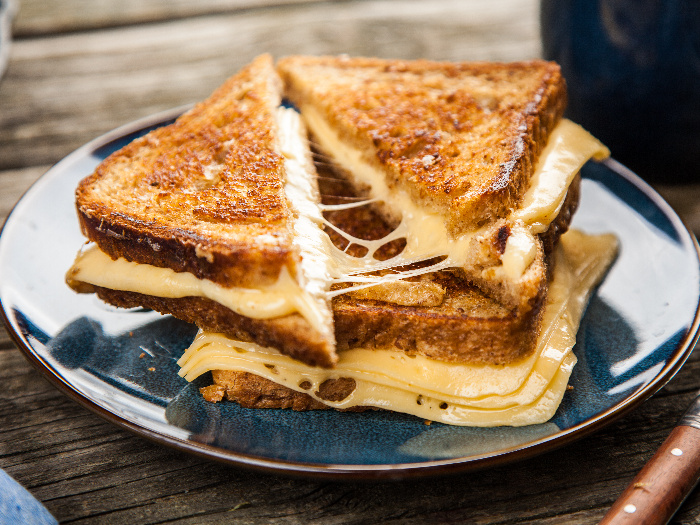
x=638, y=330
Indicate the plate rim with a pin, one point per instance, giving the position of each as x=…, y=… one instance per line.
x=8, y=8
x=360, y=471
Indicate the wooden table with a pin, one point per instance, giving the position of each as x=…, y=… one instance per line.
x=79, y=68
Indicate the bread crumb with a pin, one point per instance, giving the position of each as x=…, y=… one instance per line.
x=427, y=422
x=213, y=393
x=143, y=354
x=201, y=252
x=152, y=369
x=569, y=387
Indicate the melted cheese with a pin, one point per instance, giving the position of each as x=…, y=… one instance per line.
x=95, y=267
x=314, y=279
x=568, y=148
x=523, y=393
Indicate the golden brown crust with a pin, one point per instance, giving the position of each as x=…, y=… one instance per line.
x=292, y=334
x=203, y=195
x=468, y=327
x=251, y=391
x=482, y=125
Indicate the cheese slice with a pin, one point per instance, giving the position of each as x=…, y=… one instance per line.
x=95, y=267
x=526, y=392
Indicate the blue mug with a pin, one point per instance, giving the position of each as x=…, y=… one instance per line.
x=633, y=76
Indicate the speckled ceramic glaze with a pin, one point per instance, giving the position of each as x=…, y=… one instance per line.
x=638, y=330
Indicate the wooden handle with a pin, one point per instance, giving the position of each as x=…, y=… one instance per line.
x=664, y=482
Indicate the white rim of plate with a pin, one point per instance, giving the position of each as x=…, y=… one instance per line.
x=8, y=8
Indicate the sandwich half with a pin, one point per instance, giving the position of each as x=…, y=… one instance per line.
x=215, y=219
x=472, y=161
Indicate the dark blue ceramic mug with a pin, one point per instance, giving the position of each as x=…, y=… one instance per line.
x=633, y=74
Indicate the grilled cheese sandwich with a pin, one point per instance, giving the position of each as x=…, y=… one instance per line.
x=216, y=219
x=569, y=148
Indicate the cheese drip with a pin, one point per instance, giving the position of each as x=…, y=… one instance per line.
x=523, y=393
x=322, y=263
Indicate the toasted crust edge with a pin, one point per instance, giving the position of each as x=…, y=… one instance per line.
x=291, y=334
x=251, y=391
x=181, y=252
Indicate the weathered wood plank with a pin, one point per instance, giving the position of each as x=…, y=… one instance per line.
x=59, y=92
x=38, y=17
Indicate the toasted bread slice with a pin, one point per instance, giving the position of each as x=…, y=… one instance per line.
x=214, y=195
x=460, y=138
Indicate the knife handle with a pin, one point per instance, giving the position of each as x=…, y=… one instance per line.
x=664, y=482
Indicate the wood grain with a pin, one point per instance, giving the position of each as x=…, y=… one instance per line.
x=37, y=17
x=63, y=90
